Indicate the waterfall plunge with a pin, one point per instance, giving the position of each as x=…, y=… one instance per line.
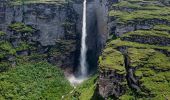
x=83, y=62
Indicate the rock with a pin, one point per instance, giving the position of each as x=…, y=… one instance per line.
x=111, y=84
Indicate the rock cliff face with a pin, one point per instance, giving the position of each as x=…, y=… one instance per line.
x=58, y=28
x=49, y=19
x=135, y=62
x=55, y=25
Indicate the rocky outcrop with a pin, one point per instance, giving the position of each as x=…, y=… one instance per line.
x=148, y=40
x=144, y=43
x=110, y=84
x=120, y=29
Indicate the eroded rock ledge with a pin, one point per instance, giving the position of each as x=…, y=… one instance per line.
x=135, y=63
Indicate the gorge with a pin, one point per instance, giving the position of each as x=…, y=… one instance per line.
x=111, y=49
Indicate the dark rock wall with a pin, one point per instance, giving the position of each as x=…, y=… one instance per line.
x=48, y=18
x=56, y=23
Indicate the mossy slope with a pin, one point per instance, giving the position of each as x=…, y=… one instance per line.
x=144, y=51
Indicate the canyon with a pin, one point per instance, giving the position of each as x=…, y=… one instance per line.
x=128, y=45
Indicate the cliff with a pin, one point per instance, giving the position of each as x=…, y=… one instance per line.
x=135, y=62
x=128, y=44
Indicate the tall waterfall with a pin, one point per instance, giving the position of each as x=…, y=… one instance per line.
x=83, y=62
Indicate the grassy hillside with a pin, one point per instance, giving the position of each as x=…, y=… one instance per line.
x=32, y=82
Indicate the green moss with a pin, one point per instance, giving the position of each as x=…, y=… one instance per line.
x=2, y=33
x=21, y=28
x=120, y=43
x=127, y=97
x=127, y=4
x=148, y=33
x=2, y=54
x=4, y=66
x=148, y=58
x=7, y=47
x=139, y=57
x=112, y=59
x=141, y=12
x=22, y=46
x=159, y=61
x=157, y=85
x=162, y=27
x=33, y=81
x=151, y=67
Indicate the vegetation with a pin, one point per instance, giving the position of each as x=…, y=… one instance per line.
x=33, y=81
x=119, y=43
x=2, y=33
x=108, y=61
x=84, y=91
x=33, y=78
x=21, y=28
x=150, y=60
x=149, y=33
x=23, y=46
x=7, y=48
x=162, y=27
x=140, y=10
x=153, y=70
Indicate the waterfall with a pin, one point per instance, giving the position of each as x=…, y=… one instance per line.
x=83, y=62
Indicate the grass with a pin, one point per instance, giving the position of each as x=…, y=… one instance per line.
x=119, y=43
x=2, y=33
x=162, y=27
x=21, y=28
x=22, y=46
x=149, y=33
x=138, y=57
x=151, y=10
x=108, y=61
x=33, y=81
x=160, y=61
x=152, y=69
x=4, y=66
x=84, y=91
x=7, y=47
